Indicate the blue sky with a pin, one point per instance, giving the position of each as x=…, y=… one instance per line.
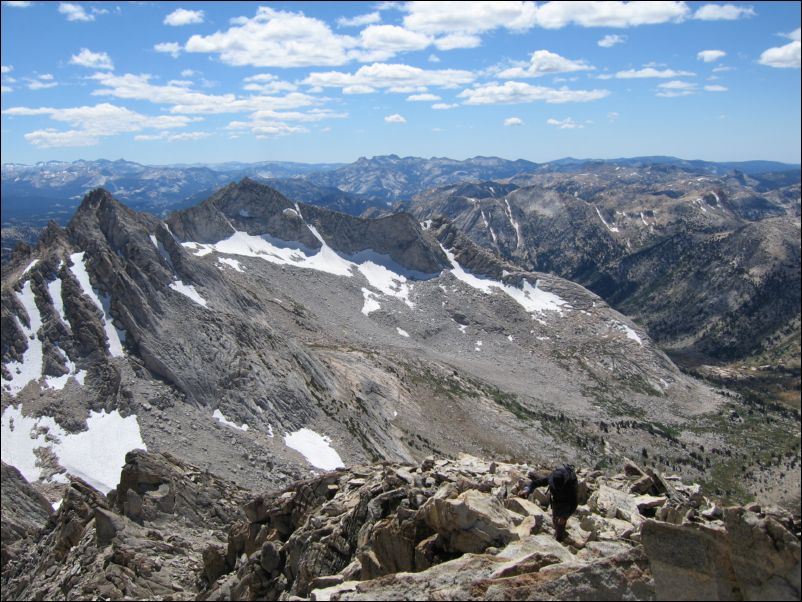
x=193, y=82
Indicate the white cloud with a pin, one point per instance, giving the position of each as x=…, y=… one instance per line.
x=676, y=88
x=544, y=62
x=425, y=97
x=41, y=82
x=458, y=40
x=513, y=121
x=565, y=124
x=274, y=38
x=269, y=124
x=466, y=17
x=554, y=15
x=359, y=20
x=395, y=118
x=185, y=100
x=392, y=77
x=709, y=56
x=6, y=69
x=93, y=60
x=381, y=42
x=647, y=72
x=16, y=3
x=722, y=69
x=171, y=48
x=433, y=58
x=782, y=57
x=267, y=83
x=74, y=12
x=613, y=116
x=170, y=137
x=443, y=106
x=182, y=16
x=6, y=89
x=188, y=73
x=723, y=12
x=91, y=123
x=611, y=40
x=794, y=35
x=716, y=88
x=520, y=92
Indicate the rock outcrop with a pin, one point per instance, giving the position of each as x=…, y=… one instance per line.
x=444, y=529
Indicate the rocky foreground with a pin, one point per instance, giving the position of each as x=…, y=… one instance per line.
x=446, y=529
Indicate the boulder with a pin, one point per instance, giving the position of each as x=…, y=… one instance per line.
x=471, y=522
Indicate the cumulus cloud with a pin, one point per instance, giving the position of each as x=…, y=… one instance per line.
x=16, y=3
x=269, y=123
x=794, y=35
x=709, y=56
x=564, y=124
x=381, y=42
x=274, y=38
x=91, y=123
x=782, y=57
x=182, y=16
x=723, y=12
x=391, y=77
x=544, y=62
x=647, y=72
x=513, y=121
x=359, y=20
x=267, y=83
x=92, y=60
x=182, y=99
x=676, y=88
x=716, y=88
x=6, y=69
x=395, y=118
x=442, y=106
x=611, y=40
x=41, y=82
x=465, y=17
x=74, y=12
x=457, y=40
x=554, y=15
x=171, y=48
x=425, y=97
x=520, y=92
x=170, y=137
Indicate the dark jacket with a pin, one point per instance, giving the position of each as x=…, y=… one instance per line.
x=562, y=484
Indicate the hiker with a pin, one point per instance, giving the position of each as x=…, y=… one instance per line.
x=562, y=490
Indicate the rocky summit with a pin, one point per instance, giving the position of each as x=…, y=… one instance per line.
x=439, y=530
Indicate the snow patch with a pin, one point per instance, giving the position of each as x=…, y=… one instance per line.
x=30, y=265
x=371, y=303
x=402, y=332
x=631, y=334
x=531, y=298
x=78, y=269
x=96, y=455
x=609, y=227
x=188, y=290
x=515, y=224
x=231, y=263
x=54, y=290
x=315, y=448
x=30, y=367
x=218, y=415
